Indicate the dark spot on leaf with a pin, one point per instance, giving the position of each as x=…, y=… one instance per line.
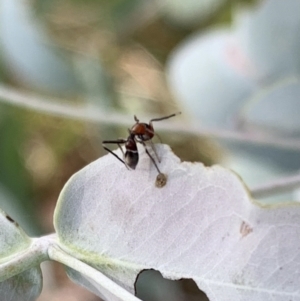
x=9, y=218
x=150, y=285
x=161, y=180
x=245, y=229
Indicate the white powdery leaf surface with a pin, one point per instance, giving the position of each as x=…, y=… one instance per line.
x=27, y=285
x=12, y=238
x=202, y=225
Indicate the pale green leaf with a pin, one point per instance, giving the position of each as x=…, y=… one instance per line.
x=24, y=284
x=202, y=225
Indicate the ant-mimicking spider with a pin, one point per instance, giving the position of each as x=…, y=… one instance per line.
x=141, y=133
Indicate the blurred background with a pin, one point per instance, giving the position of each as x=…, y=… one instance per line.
x=74, y=72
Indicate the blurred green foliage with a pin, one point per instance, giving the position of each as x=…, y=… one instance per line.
x=14, y=175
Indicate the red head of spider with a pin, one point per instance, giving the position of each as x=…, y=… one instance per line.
x=139, y=133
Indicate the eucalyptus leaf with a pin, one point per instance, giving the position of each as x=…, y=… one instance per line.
x=12, y=238
x=215, y=74
x=190, y=12
x=203, y=76
x=24, y=285
x=28, y=51
x=269, y=36
x=282, y=99
x=202, y=225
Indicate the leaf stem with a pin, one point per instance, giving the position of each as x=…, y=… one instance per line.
x=55, y=253
x=59, y=107
x=20, y=262
x=277, y=186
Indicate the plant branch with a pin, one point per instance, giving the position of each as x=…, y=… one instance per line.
x=58, y=107
x=55, y=253
x=31, y=257
x=277, y=186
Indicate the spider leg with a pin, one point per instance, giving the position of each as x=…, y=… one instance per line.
x=110, y=151
x=163, y=118
x=158, y=137
x=150, y=156
x=154, y=150
x=123, y=156
x=119, y=142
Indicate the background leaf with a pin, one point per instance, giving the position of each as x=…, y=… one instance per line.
x=16, y=195
x=28, y=52
x=239, y=78
x=282, y=99
x=188, y=13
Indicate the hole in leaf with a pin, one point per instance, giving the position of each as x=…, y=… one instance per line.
x=152, y=286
